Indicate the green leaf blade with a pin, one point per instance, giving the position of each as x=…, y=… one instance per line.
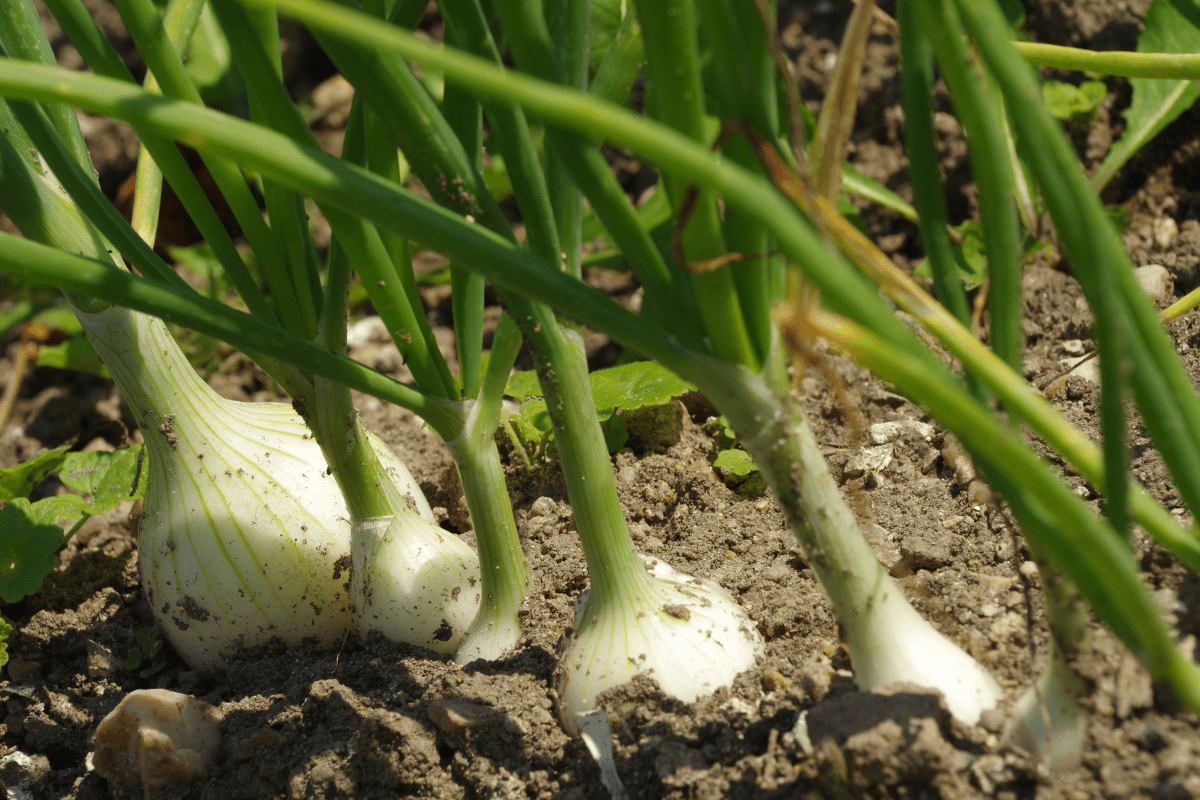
x=738, y=462
x=18, y=482
x=1172, y=26
x=107, y=477
x=635, y=385
x=26, y=551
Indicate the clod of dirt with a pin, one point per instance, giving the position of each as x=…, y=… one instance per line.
x=156, y=738
x=21, y=775
x=654, y=428
x=929, y=549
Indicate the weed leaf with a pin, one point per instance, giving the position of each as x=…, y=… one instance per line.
x=75, y=354
x=642, y=383
x=738, y=462
x=5, y=630
x=19, y=481
x=1172, y=26
x=26, y=551
x=107, y=477
x=1067, y=101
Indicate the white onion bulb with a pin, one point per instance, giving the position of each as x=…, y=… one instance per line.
x=689, y=634
x=244, y=537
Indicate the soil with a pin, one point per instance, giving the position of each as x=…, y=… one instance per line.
x=368, y=718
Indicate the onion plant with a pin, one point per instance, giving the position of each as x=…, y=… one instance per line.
x=708, y=307
x=411, y=580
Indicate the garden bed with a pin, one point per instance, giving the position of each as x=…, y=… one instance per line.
x=372, y=719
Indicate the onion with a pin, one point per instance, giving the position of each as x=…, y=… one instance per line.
x=687, y=633
x=244, y=538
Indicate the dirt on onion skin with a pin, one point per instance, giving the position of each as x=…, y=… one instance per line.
x=373, y=719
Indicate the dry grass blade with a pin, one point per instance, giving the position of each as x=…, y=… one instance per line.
x=32, y=336
x=837, y=111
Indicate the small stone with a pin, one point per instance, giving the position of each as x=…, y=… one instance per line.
x=452, y=715
x=989, y=609
x=950, y=523
x=993, y=584
x=101, y=663
x=156, y=739
x=1156, y=281
x=1084, y=367
x=775, y=681
x=885, y=432
x=542, y=507
x=1165, y=231
x=678, y=611
x=1134, y=690
x=882, y=545
x=1072, y=347
x=979, y=493
x=993, y=720
x=868, y=459
x=368, y=330
x=1005, y=627
x=22, y=774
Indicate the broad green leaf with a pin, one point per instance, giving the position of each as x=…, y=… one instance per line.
x=1067, y=101
x=26, y=551
x=533, y=420
x=740, y=473
x=75, y=354
x=628, y=386
x=209, y=64
x=59, y=508
x=738, y=462
x=5, y=630
x=523, y=384
x=107, y=477
x=19, y=481
x=606, y=18
x=969, y=256
x=642, y=383
x=606, y=394
x=727, y=437
x=1172, y=26
x=616, y=433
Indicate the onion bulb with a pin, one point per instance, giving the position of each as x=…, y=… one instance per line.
x=244, y=537
x=687, y=633
x=413, y=582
